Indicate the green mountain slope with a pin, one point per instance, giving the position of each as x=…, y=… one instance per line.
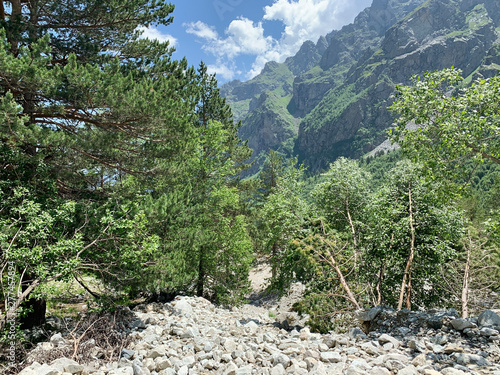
x=340, y=97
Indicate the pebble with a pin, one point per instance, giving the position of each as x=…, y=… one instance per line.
x=190, y=336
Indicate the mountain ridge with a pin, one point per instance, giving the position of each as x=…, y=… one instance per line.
x=338, y=94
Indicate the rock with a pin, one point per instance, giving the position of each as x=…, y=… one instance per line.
x=305, y=333
x=487, y=331
x=278, y=370
x=356, y=333
x=452, y=371
x=183, y=306
x=331, y=357
x=252, y=325
x=419, y=360
x=280, y=358
x=453, y=348
x=127, y=354
x=231, y=342
x=122, y=371
x=465, y=359
x=385, y=338
x=67, y=365
x=138, y=369
x=488, y=318
x=379, y=371
x=230, y=345
x=408, y=370
x=190, y=332
x=155, y=353
x=431, y=372
x=370, y=348
x=246, y=370
x=460, y=324
x=138, y=324
x=368, y=315
x=57, y=340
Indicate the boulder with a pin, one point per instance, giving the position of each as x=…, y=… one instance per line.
x=488, y=318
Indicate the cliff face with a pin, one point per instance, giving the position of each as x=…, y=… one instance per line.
x=340, y=95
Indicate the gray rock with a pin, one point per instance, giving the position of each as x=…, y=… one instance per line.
x=127, y=353
x=452, y=371
x=356, y=333
x=280, y=358
x=278, y=370
x=419, y=360
x=408, y=370
x=122, y=371
x=460, y=324
x=488, y=318
x=183, y=306
x=465, y=359
x=190, y=332
x=138, y=324
x=57, y=340
x=331, y=357
x=368, y=315
x=139, y=370
x=245, y=370
x=385, y=338
x=67, y=365
x=379, y=371
x=487, y=331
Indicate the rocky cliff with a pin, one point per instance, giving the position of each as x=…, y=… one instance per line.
x=338, y=89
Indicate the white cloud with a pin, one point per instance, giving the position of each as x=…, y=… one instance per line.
x=201, y=30
x=302, y=20
x=227, y=72
x=153, y=33
x=309, y=19
x=242, y=37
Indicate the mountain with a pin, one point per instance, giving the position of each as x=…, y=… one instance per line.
x=331, y=98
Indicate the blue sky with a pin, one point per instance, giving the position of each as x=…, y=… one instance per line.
x=235, y=38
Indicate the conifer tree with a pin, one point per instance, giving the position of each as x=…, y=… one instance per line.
x=91, y=117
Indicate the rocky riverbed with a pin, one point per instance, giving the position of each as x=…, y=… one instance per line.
x=192, y=336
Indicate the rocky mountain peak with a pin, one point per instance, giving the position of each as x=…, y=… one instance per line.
x=340, y=88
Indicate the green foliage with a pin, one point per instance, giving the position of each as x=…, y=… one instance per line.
x=282, y=213
x=453, y=125
x=438, y=229
x=343, y=194
x=115, y=160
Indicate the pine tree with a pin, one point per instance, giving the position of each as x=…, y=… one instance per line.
x=91, y=117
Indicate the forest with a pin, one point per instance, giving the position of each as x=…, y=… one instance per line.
x=120, y=170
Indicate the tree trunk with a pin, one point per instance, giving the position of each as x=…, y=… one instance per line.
x=379, y=283
x=355, y=242
x=409, y=263
x=408, y=292
x=200, y=284
x=36, y=307
x=342, y=279
x=465, y=285
x=11, y=312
